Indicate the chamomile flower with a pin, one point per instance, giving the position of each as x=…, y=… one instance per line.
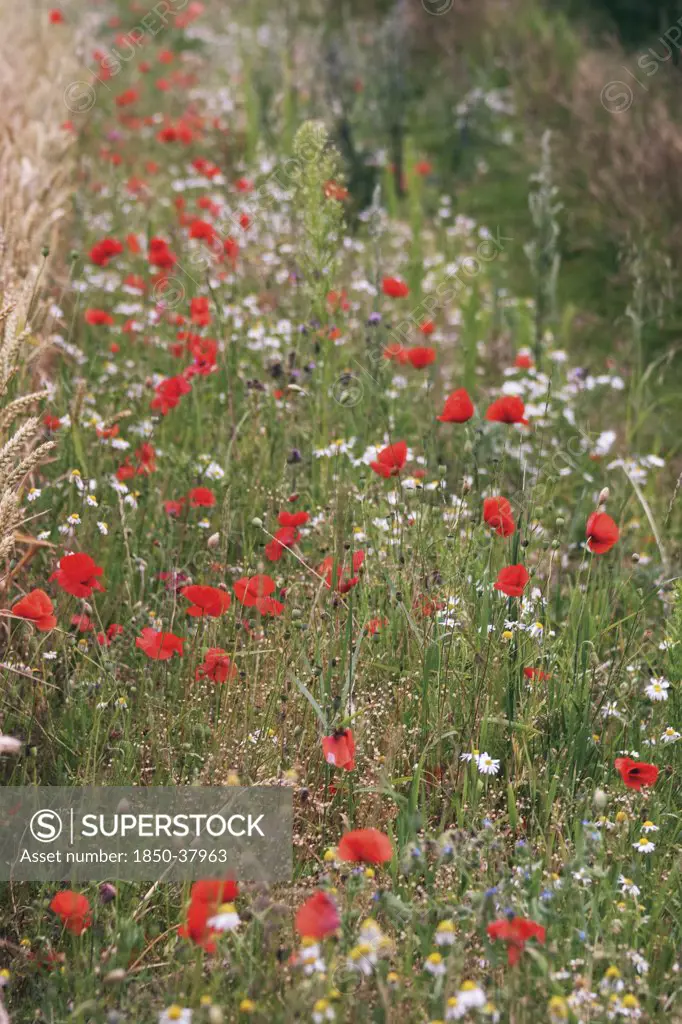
x=657, y=689
x=471, y=995
x=486, y=764
x=644, y=845
x=323, y=1011
x=435, y=965
x=454, y=1009
x=670, y=735
x=175, y=1015
x=445, y=933
x=33, y=494
x=648, y=826
x=362, y=959
x=627, y=886
x=557, y=1010
x=226, y=920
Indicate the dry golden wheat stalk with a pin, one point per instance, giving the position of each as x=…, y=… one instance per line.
x=37, y=62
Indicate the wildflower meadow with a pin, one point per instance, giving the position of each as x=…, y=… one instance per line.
x=336, y=459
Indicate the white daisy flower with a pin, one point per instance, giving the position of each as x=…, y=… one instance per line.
x=226, y=920
x=670, y=735
x=657, y=689
x=649, y=826
x=174, y=1014
x=435, y=965
x=471, y=995
x=644, y=845
x=445, y=934
x=486, y=764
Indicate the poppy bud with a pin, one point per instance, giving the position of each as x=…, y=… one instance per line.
x=45, y=251
x=213, y=541
x=258, y=523
x=560, y=521
x=603, y=496
x=599, y=799
x=118, y=974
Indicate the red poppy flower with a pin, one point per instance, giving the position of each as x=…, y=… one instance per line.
x=196, y=927
x=251, y=589
x=601, y=532
x=285, y=538
x=51, y=422
x=427, y=327
x=231, y=249
x=98, y=317
x=126, y=98
x=421, y=356
x=56, y=17
x=423, y=167
x=74, y=910
x=83, y=623
x=507, y=409
x=343, y=584
x=77, y=574
x=317, y=917
x=536, y=673
x=210, y=601
x=523, y=361
x=512, y=580
x=201, y=497
x=458, y=407
x=292, y=518
x=394, y=287
x=159, y=646
x=169, y=392
x=498, y=514
x=36, y=607
x=397, y=352
x=636, y=774
x=516, y=932
x=174, y=508
x=339, y=749
x=366, y=846
x=160, y=255
x=146, y=458
x=216, y=666
x=214, y=891
x=376, y=625
x=199, y=311
x=202, y=229
x=105, y=250
x=390, y=459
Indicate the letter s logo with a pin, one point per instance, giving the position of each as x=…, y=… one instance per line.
x=46, y=826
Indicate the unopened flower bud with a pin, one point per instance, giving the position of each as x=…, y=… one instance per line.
x=599, y=799
x=213, y=541
x=603, y=496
